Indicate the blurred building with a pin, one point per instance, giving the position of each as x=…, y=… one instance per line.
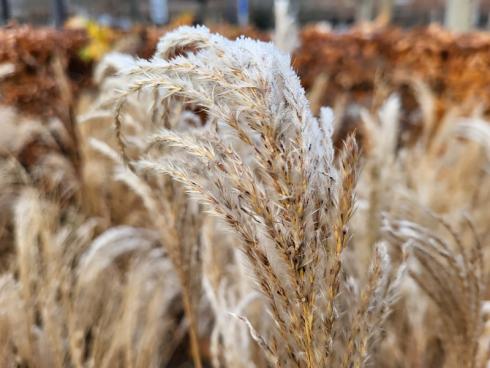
x=405, y=12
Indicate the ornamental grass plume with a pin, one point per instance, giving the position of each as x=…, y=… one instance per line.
x=82, y=285
x=161, y=203
x=445, y=171
x=74, y=299
x=266, y=167
x=449, y=269
x=230, y=293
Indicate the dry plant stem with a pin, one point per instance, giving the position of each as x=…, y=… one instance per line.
x=193, y=339
x=183, y=268
x=346, y=202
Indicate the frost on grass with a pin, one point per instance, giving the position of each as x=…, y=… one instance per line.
x=265, y=166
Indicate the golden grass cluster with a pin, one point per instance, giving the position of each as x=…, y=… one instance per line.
x=209, y=220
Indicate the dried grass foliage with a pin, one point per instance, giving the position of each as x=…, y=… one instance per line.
x=213, y=221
